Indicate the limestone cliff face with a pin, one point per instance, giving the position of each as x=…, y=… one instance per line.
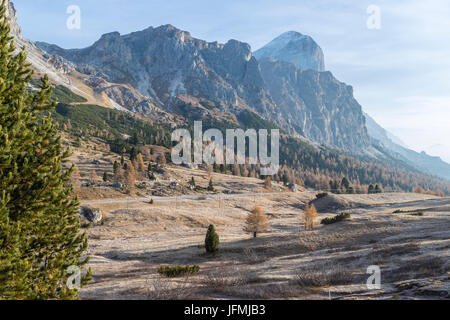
x=12, y=16
x=169, y=65
x=316, y=104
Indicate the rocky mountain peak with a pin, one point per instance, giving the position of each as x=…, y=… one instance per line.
x=296, y=48
x=12, y=16
x=110, y=36
x=237, y=47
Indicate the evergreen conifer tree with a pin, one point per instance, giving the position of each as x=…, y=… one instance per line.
x=211, y=185
x=39, y=226
x=211, y=240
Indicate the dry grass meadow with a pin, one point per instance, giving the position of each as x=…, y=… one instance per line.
x=406, y=235
x=287, y=262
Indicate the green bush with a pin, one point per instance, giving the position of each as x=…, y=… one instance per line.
x=338, y=218
x=212, y=240
x=176, y=271
x=419, y=214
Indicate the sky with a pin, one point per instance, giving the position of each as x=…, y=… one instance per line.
x=400, y=70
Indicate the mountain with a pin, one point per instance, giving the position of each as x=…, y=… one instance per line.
x=296, y=48
x=85, y=82
x=165, y=74
x=176, y=70
x=318, y=106
x=379, y=133
x=422, y=161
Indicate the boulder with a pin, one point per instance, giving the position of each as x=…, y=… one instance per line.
x=117, y=185
x=331, y=202
x=93, y=215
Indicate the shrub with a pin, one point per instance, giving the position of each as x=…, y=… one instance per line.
x=268, y=183
x=338, y=218
x=219, y=279
x=419, y=190
x=161, y=289
x=211, y=240
x=419, y=214
x=323, y=276
x=176, y=271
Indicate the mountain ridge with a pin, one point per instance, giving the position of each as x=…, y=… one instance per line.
x=421, y=160
x=173, y=68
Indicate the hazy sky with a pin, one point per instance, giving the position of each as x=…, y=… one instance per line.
x=400, y=72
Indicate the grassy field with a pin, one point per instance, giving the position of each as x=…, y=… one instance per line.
x=287, y=262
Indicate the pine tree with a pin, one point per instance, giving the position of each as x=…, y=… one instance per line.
x=150, y=173
x=105, y=176
x=268, y=183
x=211, y=240
x=133, y=154
x=285, y=179
x=310, y=215
x=117, y=171
x=345, y=185
x=130, y=178
x=211, y=185
x=378, y=189
x=256, y=222
x=39, y=226
x=161, y=160
x=140, y=166
x=93, y=177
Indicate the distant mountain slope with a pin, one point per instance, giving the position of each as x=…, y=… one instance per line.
x=296, y=48
x=308, y=164
x=422, y=161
